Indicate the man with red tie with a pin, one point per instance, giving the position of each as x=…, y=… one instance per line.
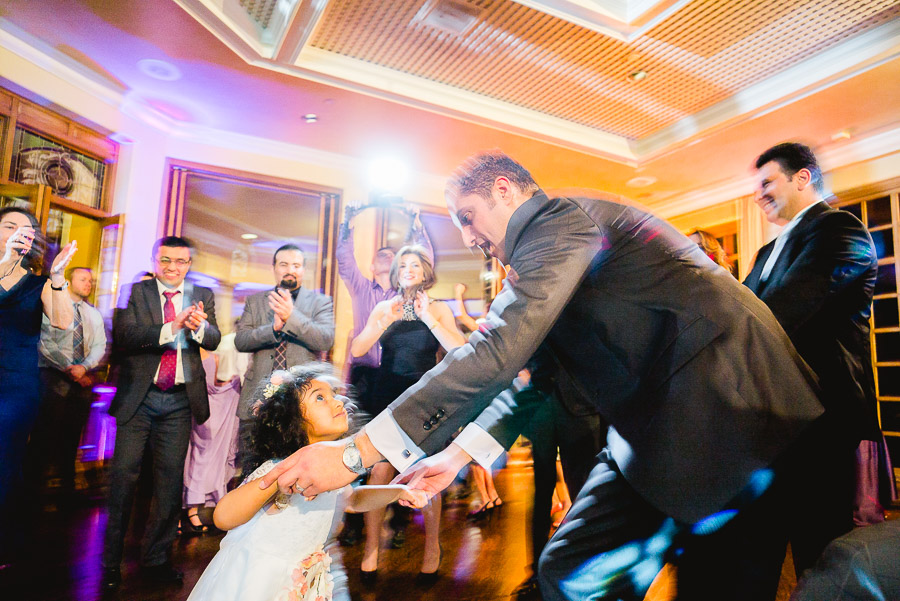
x=161, y=385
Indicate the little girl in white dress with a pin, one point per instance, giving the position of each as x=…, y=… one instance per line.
x=275, y=547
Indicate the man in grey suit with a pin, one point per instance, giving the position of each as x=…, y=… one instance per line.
x=701, y=387
x=282, y=327
x=161, y=385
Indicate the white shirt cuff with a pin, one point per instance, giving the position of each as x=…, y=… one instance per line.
x=392, y=442
x=197, y=334
x=165, y=334
x=480, y=445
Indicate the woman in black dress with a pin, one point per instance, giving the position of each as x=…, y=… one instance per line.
x=411, y=328
x=24, y=297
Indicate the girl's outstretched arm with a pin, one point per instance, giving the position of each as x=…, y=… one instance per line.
x=241, y=504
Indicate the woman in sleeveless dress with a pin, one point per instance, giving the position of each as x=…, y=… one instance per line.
x=24, y=297
x=411, y=329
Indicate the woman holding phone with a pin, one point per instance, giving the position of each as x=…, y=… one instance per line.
x=24, y=297
x=411, y=329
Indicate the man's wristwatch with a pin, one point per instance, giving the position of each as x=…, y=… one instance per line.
x=352, y=459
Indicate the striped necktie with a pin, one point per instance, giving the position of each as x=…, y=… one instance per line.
x=78, y=338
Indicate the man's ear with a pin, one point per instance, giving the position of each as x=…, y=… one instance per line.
x=804, y=179
x=502, y=190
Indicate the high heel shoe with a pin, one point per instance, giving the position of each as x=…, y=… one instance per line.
x=479, y=514
x=496, y=503
x=368, y=578
x=188, y=527
x=427, y=579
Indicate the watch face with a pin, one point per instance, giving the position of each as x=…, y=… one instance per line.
x=351, y=458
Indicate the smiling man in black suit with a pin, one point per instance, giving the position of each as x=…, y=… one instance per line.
x=818, y=277
x=161, y=385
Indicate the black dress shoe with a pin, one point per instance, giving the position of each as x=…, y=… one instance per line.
x=112, y=578
x=163, y=574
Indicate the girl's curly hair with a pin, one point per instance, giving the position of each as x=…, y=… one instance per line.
x=277, y=427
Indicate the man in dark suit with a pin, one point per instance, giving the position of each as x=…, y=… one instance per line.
x=161, y=385
x=665, y=344
x=285, y=326
x=818, y=277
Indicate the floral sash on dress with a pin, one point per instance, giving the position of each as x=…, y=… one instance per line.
x=311, y=580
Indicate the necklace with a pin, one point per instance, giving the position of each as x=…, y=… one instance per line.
x=11, y=269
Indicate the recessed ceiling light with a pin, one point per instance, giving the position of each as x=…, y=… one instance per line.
x=844, y=134
x=641, y=181
x=249, y=236
x=310, y=117
x=637, y=76
x=158, y=69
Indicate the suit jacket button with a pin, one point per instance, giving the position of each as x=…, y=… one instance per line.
x=433, y=421
x=440, y=413
x=427, y=425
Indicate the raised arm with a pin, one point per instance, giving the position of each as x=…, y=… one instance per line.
x=345, y=255
x=57, y=303
x=383, y=315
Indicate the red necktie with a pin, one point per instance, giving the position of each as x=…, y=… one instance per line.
x=166, y=378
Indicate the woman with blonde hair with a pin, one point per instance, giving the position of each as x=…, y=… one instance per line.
x=710, y=245
x=411, y=329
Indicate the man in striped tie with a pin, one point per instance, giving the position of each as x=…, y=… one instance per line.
x=68, y=361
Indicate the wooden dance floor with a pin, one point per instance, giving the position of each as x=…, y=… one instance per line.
x=481, y=562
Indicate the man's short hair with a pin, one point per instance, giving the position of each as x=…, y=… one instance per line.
x=71, y=270
x=478, y=173
x=792, y=157
x=289, y=247
x=172, y=242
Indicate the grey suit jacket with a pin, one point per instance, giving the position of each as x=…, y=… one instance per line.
x=310, y=329
x=137, y=349
x=700, y=384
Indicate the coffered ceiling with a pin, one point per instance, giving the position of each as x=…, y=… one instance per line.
x=622, y=79
x=682, y=94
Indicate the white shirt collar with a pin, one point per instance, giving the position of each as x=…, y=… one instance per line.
x=163, y=288
x=796, y=218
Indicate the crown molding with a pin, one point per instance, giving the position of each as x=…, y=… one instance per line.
x=831, y=158
x=50, y=60
x=853, y=57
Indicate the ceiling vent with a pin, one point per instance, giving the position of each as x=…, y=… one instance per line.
x=453, y=16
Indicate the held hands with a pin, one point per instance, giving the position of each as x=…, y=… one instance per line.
x=76, y=372
x=196, y=318
x=433, y=474
x=313, y=469
x=282, y=304
x=181, y=320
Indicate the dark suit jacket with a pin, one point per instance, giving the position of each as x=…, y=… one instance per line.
x=309, y=329
x=820, y=290
x=136, y=338
x=700, y=384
